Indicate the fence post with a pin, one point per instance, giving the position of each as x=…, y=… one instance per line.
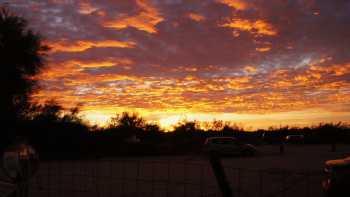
x=138, y=177
x=219, y=172
x=333, y=147
x=168, y=181
x=261, y=193
x=284, y=179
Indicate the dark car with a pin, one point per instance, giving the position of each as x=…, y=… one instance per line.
x=337, y=178
x=295, y=139
x=228, y=146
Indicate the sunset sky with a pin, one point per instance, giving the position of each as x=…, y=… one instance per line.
x=259, y=63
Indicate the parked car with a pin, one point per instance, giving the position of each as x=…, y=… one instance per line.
x=295, y=139
x=337, y=178
x=228, y=146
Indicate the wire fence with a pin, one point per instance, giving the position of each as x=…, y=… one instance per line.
x=166, y=178
x=275, y=182
x=124, y=178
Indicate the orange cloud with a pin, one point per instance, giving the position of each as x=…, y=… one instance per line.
x=236, y=4
x=337, y=69
x=82, y=45
x=145, y=20
x=263, y=49
x=74, y=67
x=86, y=8
x=250, y=69
x=101, y=63
x=259, y=27
x=196, y=17
x=152, y=93
x=58, y=70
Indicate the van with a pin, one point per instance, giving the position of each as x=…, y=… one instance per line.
x=228, y=146
x=295, y=139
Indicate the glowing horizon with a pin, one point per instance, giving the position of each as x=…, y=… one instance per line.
x=248, y=122
x=233, y=60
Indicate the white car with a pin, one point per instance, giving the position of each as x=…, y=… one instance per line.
x=228, y=146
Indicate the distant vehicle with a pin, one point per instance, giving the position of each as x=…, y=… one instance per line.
x=337, y=177
x=295, y=139
x=228, y=146
x=132, y=140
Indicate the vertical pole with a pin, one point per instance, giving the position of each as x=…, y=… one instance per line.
x=239, y=186
x=96, y=178
x=138, y=177
x=111, y=175
x=220, y=176
x=284, y=178
x=123, y=177
x=19, y=178
x=152, y=178
x=185, y=179
x=168, y=181
x=282, y=147
x=261, y=183
x=48, y=179
x=202, y=181
x=333, y=147
x=308, y=192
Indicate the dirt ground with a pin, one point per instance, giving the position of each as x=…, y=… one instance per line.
x=297, y=172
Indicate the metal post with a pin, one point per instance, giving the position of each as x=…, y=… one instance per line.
x=49, y=179
x=152, y=178
x=239, y=186
x=138, y=177
x=168, y=181
x=185, y=179
x=333, y=147
x=202, y=181
x=96, y=178
x=284, y=179
x=220, y=176
x=308, y=192
x=261, y=193
x=123, y=177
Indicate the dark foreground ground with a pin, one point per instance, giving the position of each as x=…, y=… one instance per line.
x=297, y=172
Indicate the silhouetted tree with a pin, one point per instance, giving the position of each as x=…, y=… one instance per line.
x=127, y=121
x=21, y=58
x=152, y=131
x=55, y=131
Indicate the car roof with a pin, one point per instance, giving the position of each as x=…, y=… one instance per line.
x=210, y=139
x=339, y=162
x=220, y=138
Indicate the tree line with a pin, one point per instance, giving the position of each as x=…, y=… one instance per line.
x=62, y=133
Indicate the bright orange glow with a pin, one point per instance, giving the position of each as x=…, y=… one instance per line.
x=263, y=49
x=236, y=4
x=146, y=20
x=196, y=17
x=250, y=69
x=86, y=8
x=79, y=46
x=247, y=121
x=150, y=95
x=258, y=27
